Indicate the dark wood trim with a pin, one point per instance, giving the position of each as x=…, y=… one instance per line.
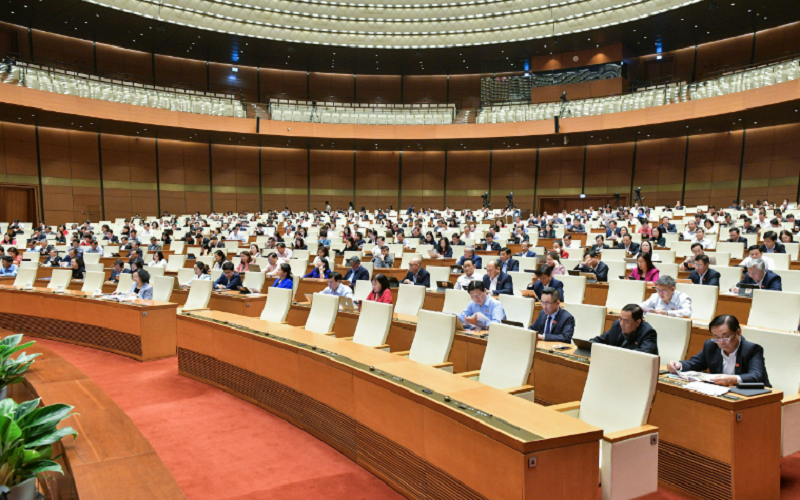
x=100, y=168
x=210, y=177
x=158, y=182
x=741, y=166
x=686, y=170
x=39, y=173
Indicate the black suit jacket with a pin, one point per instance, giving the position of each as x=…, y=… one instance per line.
x=601, y=272
x=503, y=284
x=670, y=228
x=710, y=278
x=561, y=329
x=771, y=281
x=423, y=278
x=749, y=361
x=554, y=283
x=779, y=248
x=512, y=265
x=495, y=246
x=643, y=339
x=740, y=240
x=634, y=248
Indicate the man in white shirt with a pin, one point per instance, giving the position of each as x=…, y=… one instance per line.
x=380, y=241
x=400, y=239
x=238, y=235
x=754, y=252
x=700, y=237
x=283, y=252
x=464, y=280
x=667, y=300
x=689, y=232
x=335, y=287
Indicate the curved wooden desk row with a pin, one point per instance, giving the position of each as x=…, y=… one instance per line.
x=710, y=447
x=143, y=330
x=391, y=415
x=111, y=458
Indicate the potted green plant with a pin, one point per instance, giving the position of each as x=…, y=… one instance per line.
x=27, y=435
x=11, y=369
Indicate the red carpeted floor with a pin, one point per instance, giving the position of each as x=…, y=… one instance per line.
x=218, y=446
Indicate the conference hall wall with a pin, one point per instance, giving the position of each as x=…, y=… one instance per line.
x=85, y=175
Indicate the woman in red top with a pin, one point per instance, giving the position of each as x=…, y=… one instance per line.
x=557, y=248
x=380, y=290
x=645, y=270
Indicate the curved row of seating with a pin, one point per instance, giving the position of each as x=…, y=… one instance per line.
x=363, y=114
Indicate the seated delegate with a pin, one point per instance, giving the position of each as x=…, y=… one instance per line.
x=230, y=279
x=483, y=309
x=630, y=331
x=336, y=287
x=757, y=274
x=381, y=291
x=496, y=281
x=702, y=274
x=141, y=285
x=416, y=274
x=554, y=324
x=543, y=278
x=728, y=355
x=668, y=301
x=469, y=254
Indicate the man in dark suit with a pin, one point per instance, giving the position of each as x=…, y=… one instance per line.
x=728, y=355
x=356, y=272
x=119, y=268
x=613, y=231
x=490, y=244
x=757, y=274
x=500, y=280
x=544, y=279
x=416, y=275
x=509, y=264
x=666, y=227
x=771, y=243
x=591, y=264
x=526, y=252
x=702, y=275
x=629, y=246
x=230, y=279
x=469, y=254
x=630, y=331
x=553, y=324
x=735, y=237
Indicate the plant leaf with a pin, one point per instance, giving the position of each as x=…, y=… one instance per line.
x=53, y=437
x=52, y=414
x=11, y=340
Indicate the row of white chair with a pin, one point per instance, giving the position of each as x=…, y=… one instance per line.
x=361, y=117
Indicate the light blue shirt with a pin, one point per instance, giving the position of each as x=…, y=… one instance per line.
x=341, y=291
x=491, y=308
x=11, y=271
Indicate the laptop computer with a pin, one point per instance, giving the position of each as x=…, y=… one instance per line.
x=346, y=303
x=512, y=323
x=454, y=269
x=573, y=272
x=590, y=277
x=393, y=283
x=747, y=290
x=432, y=254
x=584, y=347
x=441, y=286
x=254, y=268
x=190, y=256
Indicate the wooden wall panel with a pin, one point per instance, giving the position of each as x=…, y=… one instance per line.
x=246, y=170
x=608, y=169
x=560, y=170
x=62, y=50
x=283, y=83
x=659, y=169
x=467, y=177
x=513, y=170
x=331, y=86
x=378, y=88
x=377, y=179
x=423, y=179
x=284, y=178
x=331, y=178
x=129, y=176
x=467, y=89
x=183, y=173
x=222, y=78
x=424, y=88
x=181, y=72
x=778, y=41
x=14, y=39
x=771, y=163
x=127, y=64
x=715, y=55
x=712, y=176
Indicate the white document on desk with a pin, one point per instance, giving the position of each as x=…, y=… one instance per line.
x=708, y=389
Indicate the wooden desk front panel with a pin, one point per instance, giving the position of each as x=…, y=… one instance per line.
x=410, y=442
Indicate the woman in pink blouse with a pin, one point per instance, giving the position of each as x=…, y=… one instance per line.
x=554, y=260
x=645, y=270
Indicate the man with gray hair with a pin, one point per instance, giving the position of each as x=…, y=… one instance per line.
x=667, y=300
x=757, y=274
x=356, y=272
x=416, y=274
x=384, y=259
x=469, y=254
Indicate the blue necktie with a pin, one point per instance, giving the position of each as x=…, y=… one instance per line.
x=547, y=325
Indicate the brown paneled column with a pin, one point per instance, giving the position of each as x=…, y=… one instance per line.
x=513, y=170
x=659, y=169
x=377, y=179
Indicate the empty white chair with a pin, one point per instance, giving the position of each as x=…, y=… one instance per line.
x=162, y=288
x=775, y=310
x=781, y=260
x=455, y=301
x=254, y=281
x=27, y=277
x=519, y=309
x=736, y=250
x=323, y=314
x=617, y=400
x=667, y=269
x=673, y=335
x=410, y=299
x=704, y=300
x=125, y=282
x=722, y=258
x=176, y=262
x=155, y=271
x=781, y=352
x=590, y=321
x=407, y=258
x=185, y=275
x=93, y=281
x=362, y=290
x=91, y=258
x=29, y=264
x=520, y=281
x=373, y=325
x=277, y=306
x=728, y=276
x=95, y=268
x=614, y=254
x=199, y=295
x=438, y=273
x=433, y=340
x=790, y=280
x=574, y=288
x=177, y=247
x=624, y=292
x=298, y=266
x=616, y=268
x=508, y=360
